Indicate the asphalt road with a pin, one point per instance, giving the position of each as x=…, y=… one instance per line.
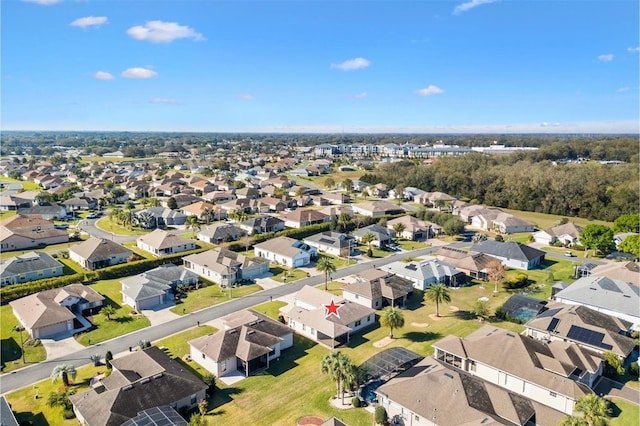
x=37, y=372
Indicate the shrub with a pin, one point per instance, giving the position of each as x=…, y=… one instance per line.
x=519, y=281
x=355, y=401
x=381, y=415
x=499, y=238
x=107, y=359
x=68, y=414
x=95, y=358
x=281, y=319
x=633, y=369
x=369, y=252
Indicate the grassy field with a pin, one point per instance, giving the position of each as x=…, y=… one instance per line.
x=122, y=322
x=377, y=253
x=6, y=214
x=624, y=413
x=209, y=296
x=411, y=245
x=27, y=185
x=108, y=225
x=280, y=272
x=10, y=351
x=338, y=262
x=544, y=221
x=177, y=345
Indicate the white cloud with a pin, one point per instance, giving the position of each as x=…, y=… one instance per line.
x=429, y=90
x=622, y=89
x=245, y=96
x=606, y=58
x=463, y=7
x=361, y=95
x=633, y=49
x=89, y=21
x=139, y=73
x=43, y=2
x=352, y=64
x=103, y=75
x=163, y=32
x=163, y=101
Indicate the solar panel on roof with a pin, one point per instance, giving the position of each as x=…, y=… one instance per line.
x=553, y=324
x=326, y=241
x=589, y=337
x=411, y=267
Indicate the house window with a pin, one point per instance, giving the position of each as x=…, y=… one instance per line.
x=40, y=273
x=193, y=399
x=417, y=418
x=369, y=318
x=472, y=366
x=358, y=323
x=553, y=394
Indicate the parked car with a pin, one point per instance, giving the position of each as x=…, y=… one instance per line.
x=569, y=253
x=62, y=226
x=92, y=216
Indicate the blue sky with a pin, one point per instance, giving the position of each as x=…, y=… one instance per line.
x=477, y=66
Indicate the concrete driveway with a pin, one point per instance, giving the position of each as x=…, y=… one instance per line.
x=60, y=347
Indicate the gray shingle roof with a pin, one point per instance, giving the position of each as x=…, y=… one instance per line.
x=95, y=249
x=509, y=250
x=28, y=262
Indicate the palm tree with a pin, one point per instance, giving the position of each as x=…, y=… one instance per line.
x=438, y=293
x=325, y=265
x=392, y=317
x=107, y=311
x=339, y=367
x=63, y=371
x=595, y=409
x=207, y=213
x=368, y=238
x=573, y=421
x=399, y=229
x=193, y=224
x=154, y=202
x=344, y=220
x=127, y=217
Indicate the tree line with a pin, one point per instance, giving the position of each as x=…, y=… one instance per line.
x=590, y=190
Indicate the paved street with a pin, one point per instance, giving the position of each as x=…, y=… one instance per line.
x=34, y=373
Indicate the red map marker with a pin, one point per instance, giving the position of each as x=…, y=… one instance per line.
x=332, y=309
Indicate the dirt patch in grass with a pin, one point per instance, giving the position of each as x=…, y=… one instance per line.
x=420, y=324
x=383, y=342
x=453, y=309
x=434, y=317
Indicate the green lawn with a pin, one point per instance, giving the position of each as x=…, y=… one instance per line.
x=280, y=272
x=624, y=413
x=10, y=351
x=108, y=225
x=412, y=245
x=270, y=309
x=6, y=214
x=122, y=322
x=177, y=345
x=27, y=185
x=544, y=221
x=211, y=295
x=377, y=253
x=338, y=262
x=133, y=246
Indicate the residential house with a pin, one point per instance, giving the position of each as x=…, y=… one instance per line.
x=483, y=218
x=24, y=232
x=247, y=193
x=262, y=224
x=155, y=287
x=13, y=202
x=336, y=198
x=592, y=330
x=249, y=343
x=554, y=374
x=437, y=200
x=286, y=251
x=219, y=233
x=225, y=267
x=308, y=317
x=80, y=203
x=618, y=238
x=619, y=299
x=336, y=211
x=27, y=267
x=138, y=381
x=506, y=223
x=472, y=264
x=218, y=196
x=512, y=254
x=51, y=312
x=201, y=210
x=414, y=229
x=164, y=217
x=45, y=211
x=376, y=289
x=426, y=273
x=162, y=243
x=96, y=253
x=432, y=393
x=334, y=243
x=302, y=217
x=273, y=204
x=568, y=234
x=182, y=200
x=377, y=208
x=622, y=271
x=382, y=235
